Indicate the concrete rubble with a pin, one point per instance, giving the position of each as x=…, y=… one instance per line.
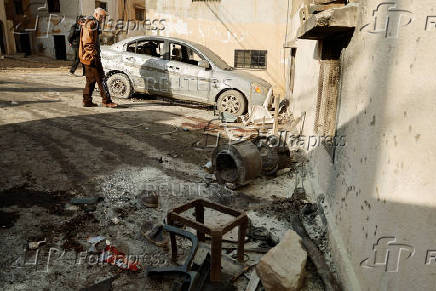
x=282, y=268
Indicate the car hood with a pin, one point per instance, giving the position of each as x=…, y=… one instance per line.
x=251, y=78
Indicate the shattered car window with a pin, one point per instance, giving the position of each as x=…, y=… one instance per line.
x=147, y=47
x=151, y=48
x=185, y=54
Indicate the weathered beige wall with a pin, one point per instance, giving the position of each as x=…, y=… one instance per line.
x=59, y=23
x=227, y=25
x=126, y=8
x=381, y=183
x=8, y=37
x=86, y=7
x=49, y=24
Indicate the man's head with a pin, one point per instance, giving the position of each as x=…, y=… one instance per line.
x=80, y=19
x=100, y=14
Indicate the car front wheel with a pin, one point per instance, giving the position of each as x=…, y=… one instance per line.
x=233, y=102
x=119, y=86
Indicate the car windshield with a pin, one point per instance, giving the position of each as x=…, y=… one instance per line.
x=217, y=60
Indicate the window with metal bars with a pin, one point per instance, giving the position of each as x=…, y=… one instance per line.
x=250, y=59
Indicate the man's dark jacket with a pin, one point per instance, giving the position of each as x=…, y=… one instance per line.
x=74, y=36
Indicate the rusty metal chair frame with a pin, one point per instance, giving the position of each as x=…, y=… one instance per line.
x=216, y=234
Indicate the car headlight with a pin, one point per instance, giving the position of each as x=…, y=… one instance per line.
x=256, y=88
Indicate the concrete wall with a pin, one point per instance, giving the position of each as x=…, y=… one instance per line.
x=227, y=25
x=381, y=183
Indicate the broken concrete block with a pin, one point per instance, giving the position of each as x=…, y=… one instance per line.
x=329, y=22
x=282, y=268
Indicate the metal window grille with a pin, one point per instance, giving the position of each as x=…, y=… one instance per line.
x=250, y=59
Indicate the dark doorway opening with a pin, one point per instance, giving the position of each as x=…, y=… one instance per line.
x=2, y=39
x=22, y=43
x=60, y=47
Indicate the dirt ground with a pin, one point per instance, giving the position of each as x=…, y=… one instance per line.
x=52, y=149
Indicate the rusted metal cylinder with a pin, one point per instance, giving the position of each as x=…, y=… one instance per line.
x=236, y=164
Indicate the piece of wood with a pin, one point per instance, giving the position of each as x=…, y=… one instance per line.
x=330, y=282
x=276, y=114
x=254, y=281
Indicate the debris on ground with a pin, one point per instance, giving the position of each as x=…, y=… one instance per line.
x=105, y=285
x=254, y=281
x=304, y=218
x=258, y=115
x=157, y=236
x=282, y=268
x=94, y=241
x=239, y=218
x=208, y=167
x=150, y=199
x=186, y=267
x=114, y=257
x=33, y=245
x=236, y=164
x=239, y=163
x=123, y=169
x=86, y=200
x=86, y=203
x=227, y=117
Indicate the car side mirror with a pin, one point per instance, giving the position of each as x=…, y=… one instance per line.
x=204, y=64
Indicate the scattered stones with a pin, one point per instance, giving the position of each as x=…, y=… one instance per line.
x=282, y=268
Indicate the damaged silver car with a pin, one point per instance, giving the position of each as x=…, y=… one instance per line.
x=181, y=69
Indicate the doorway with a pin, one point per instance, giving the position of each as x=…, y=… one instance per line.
x=60, y=47
x=22, y=43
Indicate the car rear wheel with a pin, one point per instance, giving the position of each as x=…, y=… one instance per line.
x=233, y=102
x=119, y=86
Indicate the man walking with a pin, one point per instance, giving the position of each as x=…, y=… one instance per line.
x=73, y=39
x=89, y=55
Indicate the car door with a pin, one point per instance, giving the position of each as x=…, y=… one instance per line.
x=187, y=80
x=145, y=64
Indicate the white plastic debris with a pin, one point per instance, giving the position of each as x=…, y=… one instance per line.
x=94, y=241
x=33, y=245
x=259, y=115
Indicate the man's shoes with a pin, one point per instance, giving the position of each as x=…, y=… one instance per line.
x=71, y=74
x=92, y=104
x=110, y=105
